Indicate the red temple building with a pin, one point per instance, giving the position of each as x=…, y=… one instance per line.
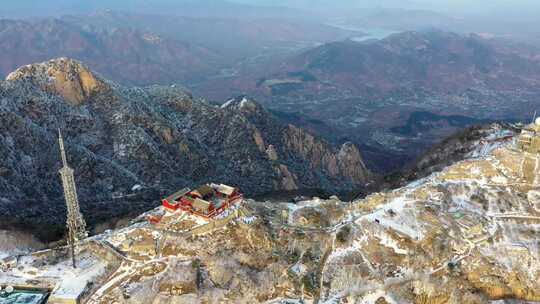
x=207, y=201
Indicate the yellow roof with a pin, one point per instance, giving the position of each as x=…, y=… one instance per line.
x=200, y=204
x=227, y=190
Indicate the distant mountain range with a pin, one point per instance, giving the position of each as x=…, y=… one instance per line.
x=151, y=49
x=434, y=60
x=400, y=94
x=329, y=6
x=235, y=38
x=194, y=8
x=127, y=55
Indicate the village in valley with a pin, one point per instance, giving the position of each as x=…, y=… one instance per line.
x=211, y=245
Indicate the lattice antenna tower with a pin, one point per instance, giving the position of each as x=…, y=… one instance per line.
x=75, y=223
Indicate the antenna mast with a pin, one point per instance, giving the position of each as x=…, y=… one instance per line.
x=75, y=222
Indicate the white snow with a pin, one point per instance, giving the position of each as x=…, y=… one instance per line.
x=372, y=297
x=492, y=142
x=74, y=282
x=499, y=179
x=461, y=202
x=284, y=301
x=342, y=252
x=156, y=235
x=71, y=282
x=249, y=219
x=183, y=215
x=356, y=246
x=419, y=182
x=228, y=212
x=402, y=227
x=228, y=103
x=404, y=220
x=298, y=268
x=389, y=242
x=243, y=102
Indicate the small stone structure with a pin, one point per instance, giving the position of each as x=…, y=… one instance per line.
x=529, y=139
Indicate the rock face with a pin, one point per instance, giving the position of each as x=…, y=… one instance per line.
x=281, y=141
x=468, y=234
x=64, y=77
x=157, y=137
x=340, y=164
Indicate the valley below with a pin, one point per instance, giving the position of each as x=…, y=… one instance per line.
x=397, y=96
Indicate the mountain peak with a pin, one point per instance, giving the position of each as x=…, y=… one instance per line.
x=66, y=77
x=243, y=104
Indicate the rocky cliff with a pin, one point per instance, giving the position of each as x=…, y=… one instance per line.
x=344, y=163
x=63, y=77
x=129, y=145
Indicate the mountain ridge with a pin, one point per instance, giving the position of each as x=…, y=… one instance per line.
x=128, y=55
x=465, y=234
x=160, y=138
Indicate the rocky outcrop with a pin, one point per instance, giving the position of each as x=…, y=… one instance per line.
x=159, y=138
x=283, y=142
x=69, y=79
x=347, y=162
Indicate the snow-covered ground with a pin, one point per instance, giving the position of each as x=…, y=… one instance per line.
x=74, y=281
x=404, y=219
x=69, y=282
x=464, y=217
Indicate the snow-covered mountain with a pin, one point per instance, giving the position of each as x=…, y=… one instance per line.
x=466, y=234
x=129, y=145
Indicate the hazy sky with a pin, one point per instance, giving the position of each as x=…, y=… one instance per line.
x=456, y=6
x=480, y=5
x=485, y=7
